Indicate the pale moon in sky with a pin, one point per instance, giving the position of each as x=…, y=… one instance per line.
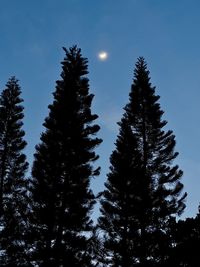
x=103, y=55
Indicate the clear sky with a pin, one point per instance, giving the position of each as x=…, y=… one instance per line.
x=166, y=33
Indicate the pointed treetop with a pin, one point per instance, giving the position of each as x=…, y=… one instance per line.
x=72, y=62
x=141, y=68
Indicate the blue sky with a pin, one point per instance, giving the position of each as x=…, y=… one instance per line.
x=166, y=33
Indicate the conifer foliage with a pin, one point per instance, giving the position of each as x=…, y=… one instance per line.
x=62, y=170
x=186, y=237
x=13, y=185
x=143, y=187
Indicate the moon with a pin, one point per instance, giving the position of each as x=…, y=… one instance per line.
x=103, y=55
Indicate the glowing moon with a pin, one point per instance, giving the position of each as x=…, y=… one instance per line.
x=103, y=55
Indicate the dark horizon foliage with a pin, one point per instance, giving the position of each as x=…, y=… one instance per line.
x=186, y=237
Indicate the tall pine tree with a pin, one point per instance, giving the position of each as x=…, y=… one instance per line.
x=13, y=185
x=62, y=170
x=143, y=188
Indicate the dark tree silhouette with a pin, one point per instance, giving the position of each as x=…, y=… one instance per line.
x=186, y=239
x=62, y=170
x=13, y=185
x=143, y=189
x=97, y=250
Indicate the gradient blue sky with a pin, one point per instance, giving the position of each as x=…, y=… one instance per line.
x=166, y=33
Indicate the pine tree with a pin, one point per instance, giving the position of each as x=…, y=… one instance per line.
x=13, y=166
x=143, y=188
x=62, y=170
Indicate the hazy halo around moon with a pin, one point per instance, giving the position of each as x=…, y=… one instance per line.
x=103, y=55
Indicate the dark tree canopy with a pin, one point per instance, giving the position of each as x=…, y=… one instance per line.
x=186, y=237
x=62, y=170
x=143, y=188
x=13, y=185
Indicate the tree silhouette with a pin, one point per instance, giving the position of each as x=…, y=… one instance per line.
x=143, y=188
x=62, y=169
x=186, y=237
x=13, y=185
